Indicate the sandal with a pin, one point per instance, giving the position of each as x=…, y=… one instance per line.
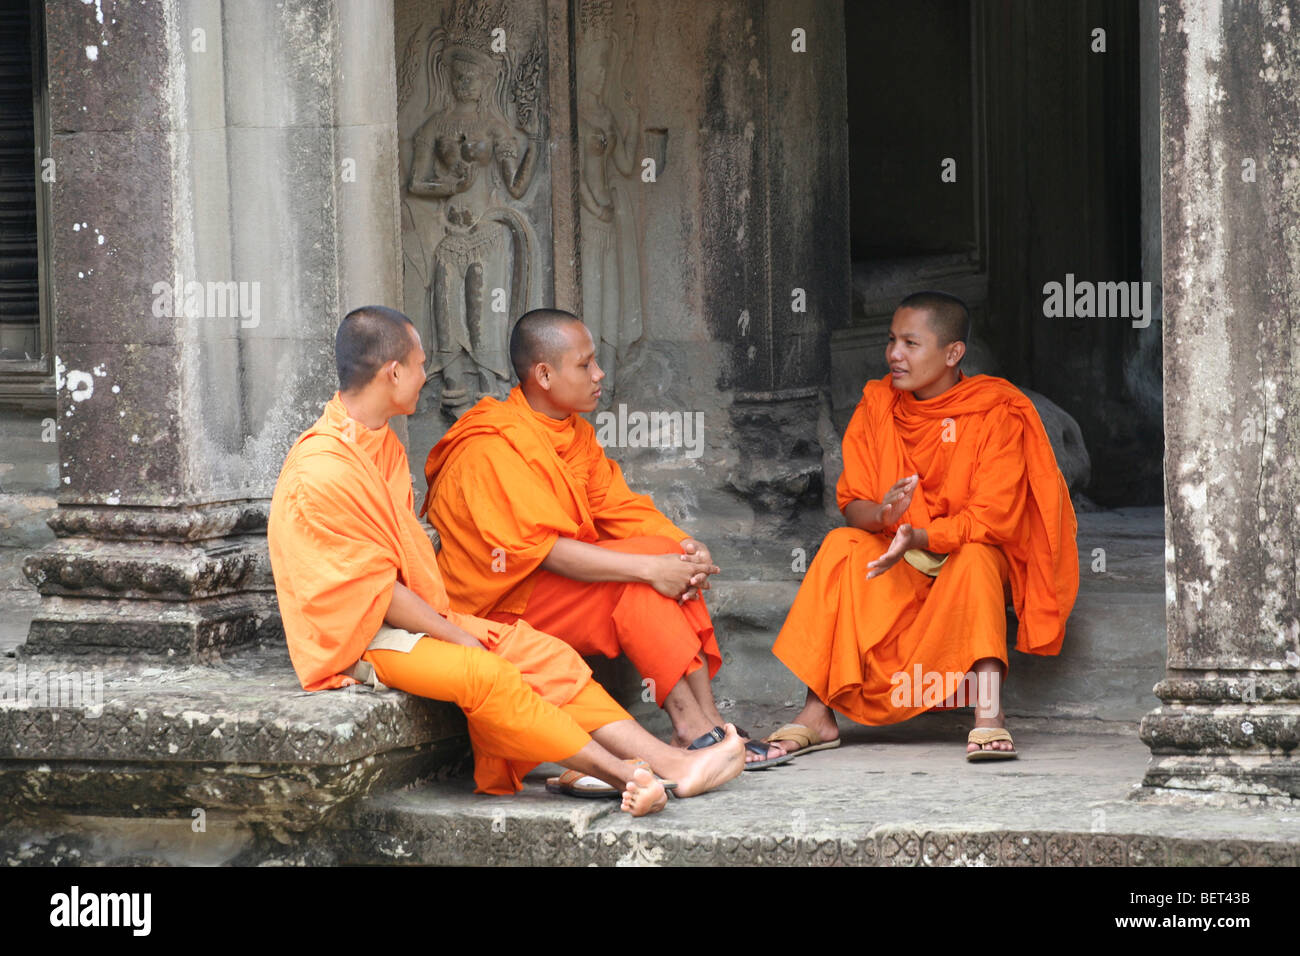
x=803, y=736
x=717, y=735
x=986, y=735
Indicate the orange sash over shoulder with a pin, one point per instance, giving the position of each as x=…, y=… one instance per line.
x=341, y=532
x=988, y=474
x=505, y=482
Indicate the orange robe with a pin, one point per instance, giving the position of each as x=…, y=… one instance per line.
x=505, y=483
x=991, y=497
x=342, y=531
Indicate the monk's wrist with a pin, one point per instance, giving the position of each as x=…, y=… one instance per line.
x=643, y=572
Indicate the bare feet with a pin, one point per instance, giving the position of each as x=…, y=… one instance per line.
x=644, y=794
x=818, y=718
x=702, y=770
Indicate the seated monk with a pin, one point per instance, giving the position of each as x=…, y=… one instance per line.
x=951, y=493
x=537, y=522
x=362, y=599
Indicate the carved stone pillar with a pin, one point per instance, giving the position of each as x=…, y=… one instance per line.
x=1230, y=721
x=209, y=228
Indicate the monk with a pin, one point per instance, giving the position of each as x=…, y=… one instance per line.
x=952, y=499
x=538, y=523
x=362, y=600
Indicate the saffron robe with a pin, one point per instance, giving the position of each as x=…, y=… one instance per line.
x=505, y=483
x=342, y=532
x=990, y=496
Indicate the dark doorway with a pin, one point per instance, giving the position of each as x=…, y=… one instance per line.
x=995, y=147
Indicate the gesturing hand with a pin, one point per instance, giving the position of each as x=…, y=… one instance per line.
x=897, y=500
x=904, y=540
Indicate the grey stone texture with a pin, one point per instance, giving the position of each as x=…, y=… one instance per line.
x=897, y=796
x=183, y=169
x=1230, y=718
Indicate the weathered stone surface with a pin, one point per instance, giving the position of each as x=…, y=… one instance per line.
x=123, y=737
x=899, y=796
x=1231, y=250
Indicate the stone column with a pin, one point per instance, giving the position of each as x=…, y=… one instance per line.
x=226, y=189
x=1230, y=118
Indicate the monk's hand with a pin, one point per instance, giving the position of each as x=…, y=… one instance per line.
x=904, y=540
x=671, y=574
x=897, y=500
x=694, y=552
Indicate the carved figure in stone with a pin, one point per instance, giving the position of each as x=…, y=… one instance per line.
x=477, y=150
x=609, y=134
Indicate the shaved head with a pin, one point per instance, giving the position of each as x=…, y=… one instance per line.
x=539, y=336
x=948, y=316
x=368, y=339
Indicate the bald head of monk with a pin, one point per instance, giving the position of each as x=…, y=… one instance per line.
x=927, y=340
x=380, y=363
x=555, y=358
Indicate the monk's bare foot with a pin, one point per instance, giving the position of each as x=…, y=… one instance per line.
x=993, y=745
x=819, y=719
x=644, y=794
x=712, y=766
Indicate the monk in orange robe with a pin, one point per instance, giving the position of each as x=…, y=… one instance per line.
x=537, y=522
x=954, y=502
x=362, y=599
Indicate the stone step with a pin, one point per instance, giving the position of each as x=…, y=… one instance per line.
x=890, y=796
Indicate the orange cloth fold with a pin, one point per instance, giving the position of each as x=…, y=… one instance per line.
x=505, y=482
x=988, y=477
x=663, y=639
x=342, y=531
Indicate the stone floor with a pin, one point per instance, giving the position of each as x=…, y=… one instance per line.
x=889, y=796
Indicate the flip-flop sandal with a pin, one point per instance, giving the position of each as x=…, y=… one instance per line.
x=717, y=735
x=986, y=735
x=574, y=783
x=803, y=736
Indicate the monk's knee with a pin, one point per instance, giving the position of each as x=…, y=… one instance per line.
x=844, y=540
x=658, y=544
x=976, y=552
x=487, y=677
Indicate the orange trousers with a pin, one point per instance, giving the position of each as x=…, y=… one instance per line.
x=860, y=645
x=519, y=715
x=664, y=640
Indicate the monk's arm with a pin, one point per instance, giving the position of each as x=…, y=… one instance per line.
x=669, y=574
x=412, y=613
x=864, y=514
x=586, y=562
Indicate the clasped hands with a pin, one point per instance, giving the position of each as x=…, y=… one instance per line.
x=683, y=576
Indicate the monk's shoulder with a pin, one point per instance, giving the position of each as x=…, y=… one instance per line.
x=317, y=468
x=486, y=453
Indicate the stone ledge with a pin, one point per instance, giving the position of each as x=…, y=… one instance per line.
x=238, y=735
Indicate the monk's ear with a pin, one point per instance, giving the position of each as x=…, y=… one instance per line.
x=541, y=374
x=956, y=351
